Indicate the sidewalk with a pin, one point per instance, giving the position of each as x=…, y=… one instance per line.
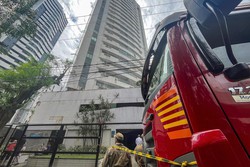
x=23, y=161
x=134, y=164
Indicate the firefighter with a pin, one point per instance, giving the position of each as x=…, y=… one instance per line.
x=139, y=159
x=115, y=157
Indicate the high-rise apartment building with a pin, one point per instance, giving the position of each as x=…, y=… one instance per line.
x=111, y=54
x=109, y=60
x=50, y=20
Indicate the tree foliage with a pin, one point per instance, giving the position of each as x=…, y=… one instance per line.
x=96, y=112
x=19, y=84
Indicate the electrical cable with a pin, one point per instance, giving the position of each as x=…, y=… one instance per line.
x=104, y=63
x=163, y=4
x=82, y=74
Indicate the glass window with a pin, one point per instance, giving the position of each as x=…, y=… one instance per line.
x=241, y=52
x=238, y=27
x=89, y=56
x=163, y=69
x=93, y=38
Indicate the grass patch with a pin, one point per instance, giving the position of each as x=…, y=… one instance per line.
x=70, y=156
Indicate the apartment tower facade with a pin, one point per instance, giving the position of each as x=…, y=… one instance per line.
x=50, y=20
x=111, y=54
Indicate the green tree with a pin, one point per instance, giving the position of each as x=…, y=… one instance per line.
x=94, y=112
x=17, y=19
x=18, y=85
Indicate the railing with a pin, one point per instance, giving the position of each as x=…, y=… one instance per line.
x=4, y=135
x=57, y=138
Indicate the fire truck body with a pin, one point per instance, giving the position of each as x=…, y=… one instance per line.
x=197, y=99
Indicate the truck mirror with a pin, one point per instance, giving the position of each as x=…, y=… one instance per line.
x=198, y=9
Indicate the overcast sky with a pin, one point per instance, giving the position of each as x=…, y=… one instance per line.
x=76, y=12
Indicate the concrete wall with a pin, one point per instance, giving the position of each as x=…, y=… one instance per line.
x=62, y=107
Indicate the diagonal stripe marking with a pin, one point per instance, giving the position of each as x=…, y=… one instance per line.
x=178, y=105
x=180, y=113
x=168, y=102
x=176, y=123
x=164, y=96
x=178, y=134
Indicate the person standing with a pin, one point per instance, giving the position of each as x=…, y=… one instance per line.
x=19, y=148
x=9, y=150
x=139, y=159
x=138, y=140
x=115, y=157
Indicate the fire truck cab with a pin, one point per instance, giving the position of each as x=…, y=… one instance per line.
x=196, y=86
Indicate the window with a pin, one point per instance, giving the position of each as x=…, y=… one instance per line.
x=238, y=27
x=241, y=52
x=163, y=69
x=93, y=38
x=89, y=56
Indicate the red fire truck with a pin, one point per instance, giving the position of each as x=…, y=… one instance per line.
x=196, y=86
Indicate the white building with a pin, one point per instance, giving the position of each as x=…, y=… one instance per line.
x=111, y=54
x=109, y=61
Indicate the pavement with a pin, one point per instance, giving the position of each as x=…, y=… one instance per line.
x=134, y=164
x=24, y=157
x=22, y=161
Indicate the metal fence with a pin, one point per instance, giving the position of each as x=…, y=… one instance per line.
x=4, y=134
x=54, y=135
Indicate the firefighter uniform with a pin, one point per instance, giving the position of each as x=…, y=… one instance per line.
x=139, y=159
x=115, y=157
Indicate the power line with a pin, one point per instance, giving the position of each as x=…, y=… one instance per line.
x=168, y=3
x=78, y=16
x=74, y=74
x=101, y=76
x=151, y=14
x=163, y=4
x=108, y=70
x=145, y=14
x=97, y=64
x=82, y=74
x=104, y=63
x=76, y=24
x=72, y=81
x=110, y=63
x=164, y=12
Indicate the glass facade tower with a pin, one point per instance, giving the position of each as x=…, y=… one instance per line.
x=50, y=20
